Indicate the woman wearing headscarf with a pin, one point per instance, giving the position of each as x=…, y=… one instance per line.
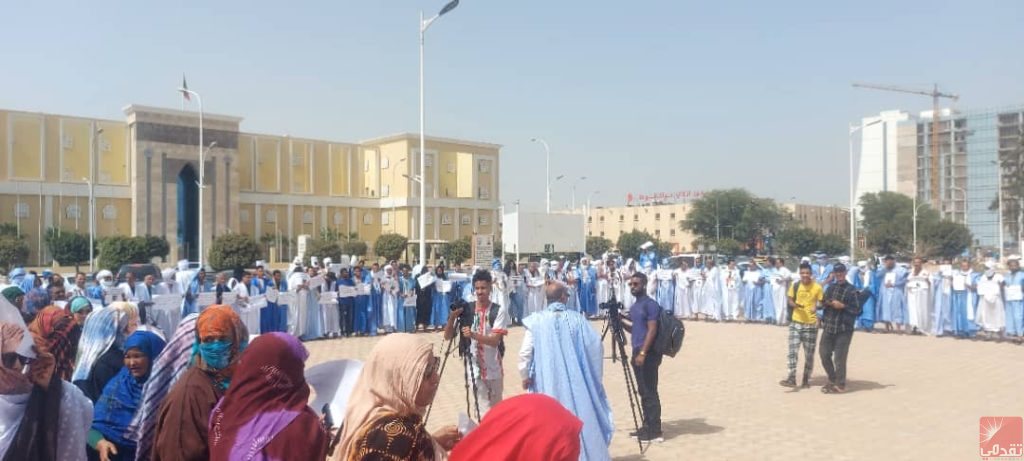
x=384, y=419
x=523, y=428
x=80, y=307
x=264, y=415
x=55, y=329
x=41, y=416
x=16, y=297
x=424, y=301
x=101, y=349
x=441, y=299
x=217, y=341
x=35, y=300
x=108, y=437
x=167, y=369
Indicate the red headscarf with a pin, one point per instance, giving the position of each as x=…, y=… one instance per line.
x=527, y=427
x=264, y=414
x=52, y=331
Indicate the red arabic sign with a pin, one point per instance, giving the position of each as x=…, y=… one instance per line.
x=678, y=196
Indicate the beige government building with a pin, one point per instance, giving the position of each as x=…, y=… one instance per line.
x=145, y=175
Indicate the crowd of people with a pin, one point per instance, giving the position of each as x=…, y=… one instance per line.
x=88, y=375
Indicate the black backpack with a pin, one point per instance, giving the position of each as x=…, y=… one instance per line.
x=492, y=315
x=671, y=332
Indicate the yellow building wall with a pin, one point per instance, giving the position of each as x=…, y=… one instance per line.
x=448, y=175
x=465, y=222
x=432, y=165
x=371, y=171
x=395, y=152
x=338, y=169
x=244, y=162
x=299, y=223
x=75, y=149
x=26, y=145
x=112, y=156
x=268, y=164
x=446, y=227
x=247, y=226
x=369, y=228
x=464, y=175
x=486, y=227
x=299, y=167
x=485, y=179
x=321, y=172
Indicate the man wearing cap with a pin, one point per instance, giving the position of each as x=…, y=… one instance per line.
x=842, y=307
x=1014, y=286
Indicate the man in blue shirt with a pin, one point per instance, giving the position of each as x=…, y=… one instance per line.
x=642, y=325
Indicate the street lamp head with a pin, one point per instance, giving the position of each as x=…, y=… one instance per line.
x=212, y=145
x=533, y=139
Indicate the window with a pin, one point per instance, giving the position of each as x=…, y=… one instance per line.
x=385, y=191
x=590, y=219
x=109, y=212
x=243, y=215
x=483, y=220
x=339, y=218
x=74, y=211
x=430, y=218
x=429, y=161
x=384, y=163
x=622, y=218
x=602, y=233
x=367, y=219
x=601, y=219
x=466, y=220
x=636, y=218
x=657, y=216
x=307, y=217
x=21, y=210
x=271, y=216
x=485, y=166
x=657, y=232
x=672, y=216
x=671, y=232
x=366, y=165
x=484, y=193
x=451, y=167
x=446, y=219
x=385, y=218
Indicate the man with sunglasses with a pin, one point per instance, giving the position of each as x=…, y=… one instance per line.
x=642, y=325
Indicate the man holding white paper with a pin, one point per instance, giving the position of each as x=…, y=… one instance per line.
x=964, y=300
x=990, y=316
x=892, y=305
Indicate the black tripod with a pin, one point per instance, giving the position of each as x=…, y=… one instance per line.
x=467, y=361
x=614, y=325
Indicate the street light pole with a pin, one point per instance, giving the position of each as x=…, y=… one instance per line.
x=202, y=168
x=391, y=195
x=547, y=172
x=424, y=25
x=92, y=199
x=999, y=188
x=573, y=192
x=853, y=199
x=517, y=235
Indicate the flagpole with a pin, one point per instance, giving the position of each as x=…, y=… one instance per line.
x=202, y=169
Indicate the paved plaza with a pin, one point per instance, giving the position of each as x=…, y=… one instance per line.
x=910, y=397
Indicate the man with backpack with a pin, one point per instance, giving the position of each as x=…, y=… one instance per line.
x=485, y=330
x=803, y=298
x=642, y=325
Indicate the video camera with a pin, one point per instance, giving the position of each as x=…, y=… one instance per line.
x=465, y=319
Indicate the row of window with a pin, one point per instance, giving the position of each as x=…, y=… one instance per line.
x=73, y=211
x=657, y=233
x=385, y=218
x=483, y=166
x=636, y=217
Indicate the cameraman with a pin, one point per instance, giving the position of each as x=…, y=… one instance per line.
x=482, y=332
x=642, y=325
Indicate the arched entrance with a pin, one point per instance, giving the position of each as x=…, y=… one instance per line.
x=188, y=212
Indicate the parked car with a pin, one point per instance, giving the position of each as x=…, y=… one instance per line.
x=140, y=271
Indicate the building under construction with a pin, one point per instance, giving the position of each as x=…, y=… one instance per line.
x=977, y=152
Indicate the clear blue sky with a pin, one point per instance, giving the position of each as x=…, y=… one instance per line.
x=638, y=96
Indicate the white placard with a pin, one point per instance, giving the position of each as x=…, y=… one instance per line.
x=363, y=289
x=988, y=288
x=890, y=278
x=258, y=302
x=315, y=282
x=113, y=294
x=517, y=279
x=272, y=295
x=444, y=286
x=206, y=298
x=329, y=297
x=409, y=301
x=946, y=269
x=345, y=291
x=1014, y=293
x=167, y=302
x=959, y=282
x=425, y=280
x=228, y=298
x=536, y=282
x=335, y=268
x=751, y=276
x=285, y=298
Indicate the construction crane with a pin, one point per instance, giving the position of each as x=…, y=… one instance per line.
x=935, y=95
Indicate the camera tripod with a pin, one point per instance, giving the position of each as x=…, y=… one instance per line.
x=614, y=325
x=467, y=362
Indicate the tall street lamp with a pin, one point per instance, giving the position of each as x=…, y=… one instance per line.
x=391, y=194
x=573, y=191
x=547, y=171
x=187, y=94
x=999, y=187
x=424, y=25
x=853, y=199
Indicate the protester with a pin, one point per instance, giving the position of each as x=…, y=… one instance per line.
x=264, y=415
x=642, y=325
x=842, y=307
x=1014, y=285
x=167, y=369
x=424, y=302
x=384, y=418
x=217, y=342
x=121, y=398
x=101, y=349
x=485, y=330
x=919, y=301
x=441, y=297
x=803, y=299
x=991, y=316
x=892, y=302
x=56, y=331
x=524, y=428
x=559, y=347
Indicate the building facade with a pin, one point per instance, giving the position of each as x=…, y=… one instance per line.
x=663, y=221
x=144, y=172
x=980, y=153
